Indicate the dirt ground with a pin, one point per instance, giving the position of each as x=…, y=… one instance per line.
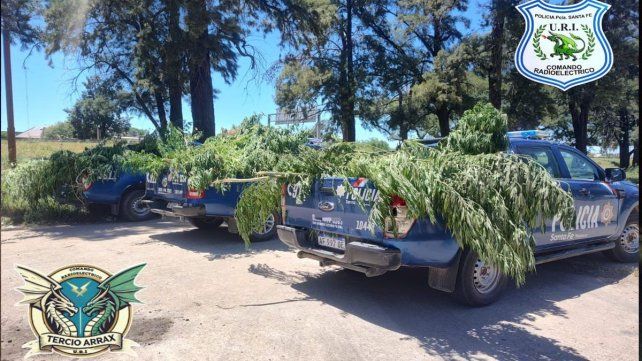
x=208, y=298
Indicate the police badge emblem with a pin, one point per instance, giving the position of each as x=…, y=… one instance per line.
x=79, y=310
x=563, y=46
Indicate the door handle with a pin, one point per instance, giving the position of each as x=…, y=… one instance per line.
x=584, y=191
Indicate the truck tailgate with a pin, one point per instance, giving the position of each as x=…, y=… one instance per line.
x=168, y=187
x=332, y=208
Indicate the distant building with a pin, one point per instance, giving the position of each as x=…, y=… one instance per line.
x=33, y=133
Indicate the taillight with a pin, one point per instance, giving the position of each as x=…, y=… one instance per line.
x=400, y=224
x=86, y=184
x=195, y=194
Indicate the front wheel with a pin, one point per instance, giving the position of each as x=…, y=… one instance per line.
x=269, y=230
x=627, y=247
x=478, y=283
x=133, y=209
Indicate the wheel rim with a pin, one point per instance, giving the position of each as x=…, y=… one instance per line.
x=140, y=208
x=485, y=277
x=269, y=224
x=630, y=239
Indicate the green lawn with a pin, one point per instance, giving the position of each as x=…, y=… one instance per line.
x=632, y=173
x=33, y=149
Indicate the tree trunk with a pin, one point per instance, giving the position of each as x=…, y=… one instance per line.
x=496, y=61
x=11, y=128
x=443, y=114
x=173, y=63
x=580, y=100
x=200, y=82
x=346, y=80
x=160, y=106
x=624, y=139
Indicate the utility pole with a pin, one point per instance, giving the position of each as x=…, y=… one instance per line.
x=11, y=129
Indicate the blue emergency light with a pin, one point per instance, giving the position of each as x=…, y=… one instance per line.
x=529, y=134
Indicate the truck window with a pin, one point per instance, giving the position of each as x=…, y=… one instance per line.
x=578, y=166
x=544, y=156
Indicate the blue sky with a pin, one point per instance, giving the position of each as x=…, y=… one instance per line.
x=42, y=92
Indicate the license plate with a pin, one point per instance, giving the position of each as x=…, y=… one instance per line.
x=332, y=241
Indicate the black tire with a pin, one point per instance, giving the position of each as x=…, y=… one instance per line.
x=627, y=247
x=269, y=230
x=132, y=209
x=473, y=288
x=207, y=223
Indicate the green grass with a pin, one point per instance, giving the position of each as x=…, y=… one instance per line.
x=632, y=173
x=35, y=149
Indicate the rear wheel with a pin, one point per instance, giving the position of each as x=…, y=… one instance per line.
x=627, y=247
x=133, y=209
x=268, y=232
x=208, y=224
x=478, y=283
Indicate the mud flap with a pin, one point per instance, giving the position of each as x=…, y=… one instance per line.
x=444, y=279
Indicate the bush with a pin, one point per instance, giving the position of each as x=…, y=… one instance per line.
x=48, y=189
x=60, y=130
x=38, y=190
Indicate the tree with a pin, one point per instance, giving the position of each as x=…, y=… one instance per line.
x=621, y=25
x=99, y=111
x=325, y=68
x=136, y=132
x=60, y=130
x=120, y=41
x=411, y=34
x=500, y=12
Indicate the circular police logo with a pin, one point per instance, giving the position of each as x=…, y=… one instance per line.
x=79, y=310
x=607, y=213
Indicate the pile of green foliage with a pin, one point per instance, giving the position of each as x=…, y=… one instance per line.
x=490, y=200
x=48, y=189
x=241, y=152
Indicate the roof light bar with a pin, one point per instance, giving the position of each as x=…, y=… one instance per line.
x=529, y=134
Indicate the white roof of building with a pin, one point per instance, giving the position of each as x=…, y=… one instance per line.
x=33, y=133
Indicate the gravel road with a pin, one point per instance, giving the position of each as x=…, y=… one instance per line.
x=207, y=297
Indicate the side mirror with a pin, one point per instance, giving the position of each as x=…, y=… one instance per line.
x=615, y=174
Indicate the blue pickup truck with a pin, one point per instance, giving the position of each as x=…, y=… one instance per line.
x=206, y=209
x=330, y=226
x=122, y=191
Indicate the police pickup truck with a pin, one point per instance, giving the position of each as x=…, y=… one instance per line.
x=330, y=225
x=206, y=209
x=122, y=191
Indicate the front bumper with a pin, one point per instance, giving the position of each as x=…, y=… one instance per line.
x=364, y=257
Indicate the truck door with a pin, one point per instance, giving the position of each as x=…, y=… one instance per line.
x=545, y=156
x=596, y=203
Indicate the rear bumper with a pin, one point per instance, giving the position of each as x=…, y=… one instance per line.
x=175, y=210
x=368, y=258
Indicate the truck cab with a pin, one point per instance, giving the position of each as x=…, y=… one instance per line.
x=331, y=227
x=122, y=191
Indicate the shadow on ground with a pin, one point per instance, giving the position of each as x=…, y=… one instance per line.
x=402, y=302
x=102, y=231
x=217, y=244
